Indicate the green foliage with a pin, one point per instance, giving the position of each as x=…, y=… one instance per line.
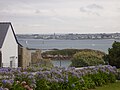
x=60, y=78
x=17, y=86
x=113, y=56
x=41, y=84
x=26, y=77
x=68, y=52
x=112, y=78
x=87, y=58
x=102, y=78
x=98, y=79
x=89, y=83
x=43, y=63
x=118, y=74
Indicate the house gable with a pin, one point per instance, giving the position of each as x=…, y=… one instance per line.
x=3, y=31
x=8, y=45
x=9, y=50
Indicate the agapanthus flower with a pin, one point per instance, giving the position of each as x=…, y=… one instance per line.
x=73, y=85
x=4, y=81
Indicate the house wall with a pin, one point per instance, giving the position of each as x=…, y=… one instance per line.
x=9, y=50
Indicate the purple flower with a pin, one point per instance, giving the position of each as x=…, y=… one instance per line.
x=34, y=81
x=1, y=88
x=60, y=80
x=47, y=72
x=11, y=81
x=25, y=73
x=30, y=76
x=4, y=81
x=73, y=85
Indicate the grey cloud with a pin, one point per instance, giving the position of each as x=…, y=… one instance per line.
x=118, y=9
x=82, y=9
x=91, y=9
x=85, y=10
x=37, y=11
x=94, y=6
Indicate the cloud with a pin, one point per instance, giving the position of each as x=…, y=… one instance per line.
x=37, y=11
x=82, y=9
x=57, y=19
x=18, y=12
x=91, y=9
x=37, y=25
x=94, y=6
x=45, y=12
x=89, y=12
x=118, y=9
x=61, y=15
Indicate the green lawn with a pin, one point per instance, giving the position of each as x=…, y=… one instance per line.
x=112, y=86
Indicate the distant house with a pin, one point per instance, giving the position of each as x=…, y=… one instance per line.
x=12, y=54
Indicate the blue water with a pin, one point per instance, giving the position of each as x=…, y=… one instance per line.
x=61, y=63
x=101, y=44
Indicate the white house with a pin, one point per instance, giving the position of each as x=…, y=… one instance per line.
x=8, y=46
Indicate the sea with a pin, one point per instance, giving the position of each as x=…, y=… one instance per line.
x=49, y=44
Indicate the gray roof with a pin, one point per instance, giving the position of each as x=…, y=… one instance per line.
x=4, y=26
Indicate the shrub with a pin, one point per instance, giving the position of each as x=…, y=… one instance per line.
x=118, y=76
x=113, y=56
x=87, y=58
x=60, y=78
x=66, y=52
x=27, y=77
x=17, y=86
x=89, y=83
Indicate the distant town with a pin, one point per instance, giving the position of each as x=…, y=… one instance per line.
x=70, y=36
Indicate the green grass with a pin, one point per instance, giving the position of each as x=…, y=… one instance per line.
x=119, y=69
x=111, y=86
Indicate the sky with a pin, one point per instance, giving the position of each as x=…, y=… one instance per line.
x=61, y=16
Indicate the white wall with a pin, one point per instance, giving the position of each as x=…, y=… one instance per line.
x=9, y=49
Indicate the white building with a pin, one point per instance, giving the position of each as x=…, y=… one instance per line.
x=8, y=46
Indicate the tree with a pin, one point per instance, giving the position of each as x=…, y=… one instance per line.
x=87, y=58
x=114, y=54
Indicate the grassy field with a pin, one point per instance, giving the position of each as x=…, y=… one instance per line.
x=113, y=86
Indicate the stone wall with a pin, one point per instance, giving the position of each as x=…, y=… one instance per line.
x=36, y=57
x=24, y=57
x=0, y=59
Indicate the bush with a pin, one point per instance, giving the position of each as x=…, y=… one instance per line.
x=118, y=76
x=60, y=78
x=66, y=52
x=87, y=58
x=89, y=83
x=113, y=56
